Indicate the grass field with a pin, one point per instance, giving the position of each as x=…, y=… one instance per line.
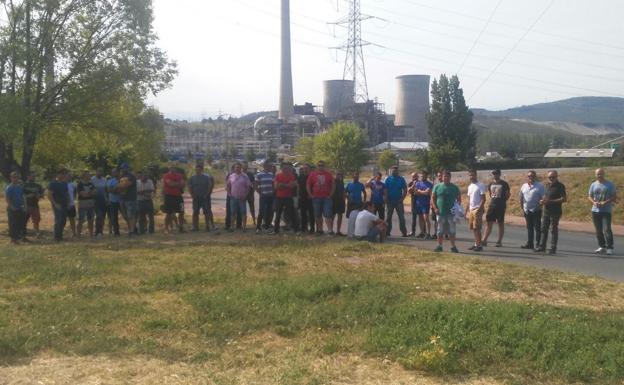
x=244, y=309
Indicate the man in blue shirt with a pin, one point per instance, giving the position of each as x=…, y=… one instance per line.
x=16, y=209
x=354, y=192
x=421, y=204
x=378, y=195
x=602, y=195
x=58, y=195
x=397, y=190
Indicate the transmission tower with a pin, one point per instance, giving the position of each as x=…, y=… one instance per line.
x=354, y=68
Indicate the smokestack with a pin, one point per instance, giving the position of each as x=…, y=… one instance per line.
x=286, y=103
x=412, y=105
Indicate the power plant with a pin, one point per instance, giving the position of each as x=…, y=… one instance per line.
x=412, y=105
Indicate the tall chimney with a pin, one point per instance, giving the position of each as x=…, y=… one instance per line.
x=286, y=103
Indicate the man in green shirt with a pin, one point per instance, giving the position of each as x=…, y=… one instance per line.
x=443, y=200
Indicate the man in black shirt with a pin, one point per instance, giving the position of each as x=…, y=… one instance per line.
x=58, y=194
x=499, y=195
x=554, y=197
x=306, y=211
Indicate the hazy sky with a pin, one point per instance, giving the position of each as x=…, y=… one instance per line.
x=513, y=52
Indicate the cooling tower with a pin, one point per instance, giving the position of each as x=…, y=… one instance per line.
x=338, y=96
x=286, y=102
x=412, y=104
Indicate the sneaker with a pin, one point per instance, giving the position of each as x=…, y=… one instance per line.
x=552, y=251
x=404, y=235
x=412, y=234
x=499, y=244
x=600, y=250
x=421, y=235
x=483, y=243
x=526, y=246
x=340, y=234
x=271, y=232
x=478, y=248
x=539, y=249
x=610, y=251
x=258, y=231
x=472, y=247
x=438, y=249
x=319, y=233
x=454, y=250
x=331, y=234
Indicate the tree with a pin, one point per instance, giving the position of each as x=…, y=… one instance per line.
x=450, y=121
x=250, y=155
x=62, y=60
x=305, y=150
x=387, y=159
x=343, y=147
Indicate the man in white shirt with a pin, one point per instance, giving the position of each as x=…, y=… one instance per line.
x=531, y=193
x=368, y=226
x=351, y=224
x=475, y=208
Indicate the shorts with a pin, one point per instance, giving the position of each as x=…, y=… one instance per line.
x=34, y=214
x=446, y=224
x=372, y=236
x=173, y=204
x=495, y=214
x=131, y=208
x=202, y=204
x=86, y=213
x=475, y=218
x=322, y=207
x=422, y=209
x=238, y=205
x=71, y=212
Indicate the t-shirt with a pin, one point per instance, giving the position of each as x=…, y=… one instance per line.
x=284, y=192
x=355, y=192
x=33, y=192
x=88, y=189
x=100, y=188
x=60, y=193
x=554, y=190
x=129, y=194
x=172, y=177
x=531, y=195
x=377, y=191
x=351, y=224
x=145, y=190
x=320, y=184
x=200, y=185
x=601, y=192
x=252, y=179
x=475, y=192
x=395, y=186
x=302, y=180
x=339, y=193
x=265, y=183
x=71, y=190
x=15, y=193
x=446, y=196
x=498, y=194
x=111, y=185
x=364, y=222
x=423, y=200
x=239, y=185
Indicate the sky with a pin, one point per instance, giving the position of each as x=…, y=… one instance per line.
x=506, y=53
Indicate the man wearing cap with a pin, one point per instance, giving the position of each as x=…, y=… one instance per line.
x=320, y=186
x=499, y=195
x=602, y=195
x=397, y=190
x=266, y=197
x=16, y=208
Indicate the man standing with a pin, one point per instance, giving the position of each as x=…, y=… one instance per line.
x=200, y=186
x=238, y=186
x=71, y=209
x=338, y=203
x=355, y=193
x=173, y=200
x=397, y=190
x=499, y=195
x=99, y=182
x=128, y=197
x=145, y=199
x=320, y=186
x=475, y=208
x=113, y=201
x=554, y=196
x=306, y=209
x=379, y=195
x=285, y=185
x=602, y=195
x=251, y=198
x=422, y=193
x=33, y=192
x=58, y=195
x=443, y=199
x=266, y=193
x=86, y=203
x=531, y=193
x=368, y=226
x=16, y=209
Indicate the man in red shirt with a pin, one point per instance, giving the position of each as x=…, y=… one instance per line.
x=320, y=187
x=173, y=182
x=285, y=185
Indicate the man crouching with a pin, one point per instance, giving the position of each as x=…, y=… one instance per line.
x=368, y=226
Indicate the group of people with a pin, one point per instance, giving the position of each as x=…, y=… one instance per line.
x=311, y=199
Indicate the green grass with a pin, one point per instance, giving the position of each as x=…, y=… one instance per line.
x=445, y=315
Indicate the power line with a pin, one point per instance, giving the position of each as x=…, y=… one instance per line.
x=487, y=23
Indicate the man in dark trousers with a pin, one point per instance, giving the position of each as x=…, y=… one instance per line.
x=306, y=210
x=554, y=197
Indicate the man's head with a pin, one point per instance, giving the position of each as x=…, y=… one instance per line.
x=60, y=174
x=446, y=177
x=439, y=176
x=394, y=170
x=356, y=177
x=199, y=169
x=31, y=177
x=472, y=174
x=143, y=176
x=369, y=206
x=553, y=176
x=15, y=177
x=286, y=167
x=85, y=176
x=531, y=176
x=238, y=168
x=378, y=177
x=496, y=174
x=424, y=175
x=414, y=176
x=339, y=175
x=99, y=172
x=244, y=166
x=600, y=174
x=266, y=166
x=305, y=169
x=320, y=165
x=115, y=173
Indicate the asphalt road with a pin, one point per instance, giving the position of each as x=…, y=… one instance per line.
x=574, y=250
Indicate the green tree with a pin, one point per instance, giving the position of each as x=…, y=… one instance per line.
x=305, y=150
x=250, y=155
x=62, y=60
x=343, y=147
x=450, y=120
x=387, y=159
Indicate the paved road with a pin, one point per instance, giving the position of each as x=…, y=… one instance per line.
x=575, y=249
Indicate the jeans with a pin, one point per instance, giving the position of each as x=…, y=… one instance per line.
x=252, y=205
x=602, y=223
x=100, y=217
x=306, y=211
x=60, y=220
x=265, y=212
x=238, y=210
x=280, y=204
x=550, y=221
x=113, y=216
x=534, y=227
x=380, y=210
x=414, y=215
x=400, y=210
x=17, y=218
x=146, y=216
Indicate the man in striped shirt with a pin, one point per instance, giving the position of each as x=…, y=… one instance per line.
x=263, y=184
